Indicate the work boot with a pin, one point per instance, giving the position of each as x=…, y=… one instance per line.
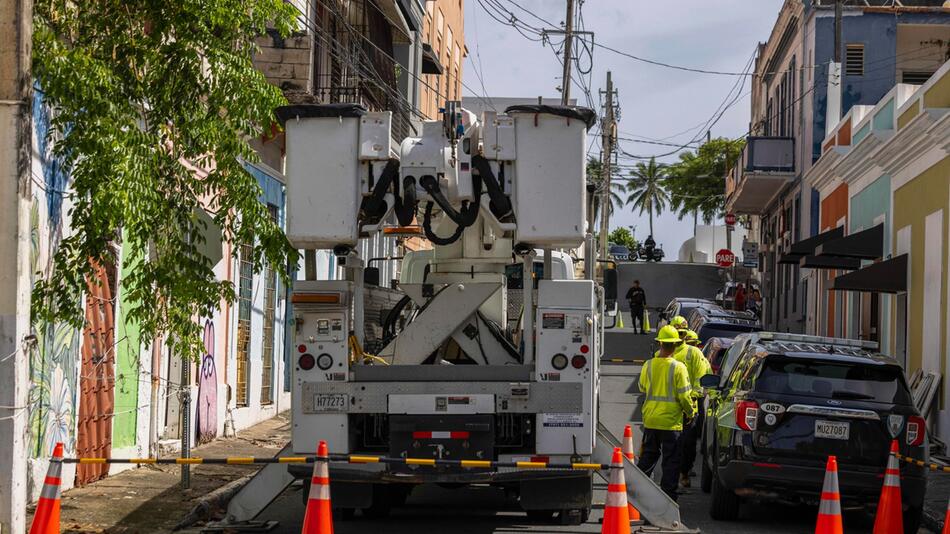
x=684, y=481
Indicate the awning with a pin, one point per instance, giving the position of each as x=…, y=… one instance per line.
x=807, y=246
x=430, y=60
x=829, y=262
x=866, y=244
x=888, y=276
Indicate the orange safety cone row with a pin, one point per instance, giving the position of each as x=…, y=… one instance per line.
x=629, y=455
x=890, y=519
x=318, y=519
x=46, y=518
x=829, y=511
x=946, y=520
x=616, y=514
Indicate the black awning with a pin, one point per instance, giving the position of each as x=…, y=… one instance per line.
x=888, y=276
x=430, y=60
x=807, y=246
x=829, y=262
x=866, y=244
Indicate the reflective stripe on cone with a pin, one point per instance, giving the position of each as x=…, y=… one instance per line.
x=890, y=517
x=318, y=519
x=46, y=518
x=616, y=515
x=631, y=457
x=829, y=511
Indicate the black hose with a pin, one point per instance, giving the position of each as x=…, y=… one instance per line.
x=374, y=205
x=406, y=203
x=431, y=185
x=500, y=204
x=431, y=236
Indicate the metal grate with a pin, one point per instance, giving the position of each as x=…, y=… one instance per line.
x=246, y=270
x=854, y=60
x=916, y=78
x=270, y=313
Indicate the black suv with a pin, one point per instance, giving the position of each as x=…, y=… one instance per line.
x=710, y=322
x=785, y=402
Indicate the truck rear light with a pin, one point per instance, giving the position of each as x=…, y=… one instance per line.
x=324, y=361
x=585, y=349
x=916, y=431
x=747, y=415
x=306, y=362
x=578, y=361
x=559, y=361
x=301, y=348
x=540, y=459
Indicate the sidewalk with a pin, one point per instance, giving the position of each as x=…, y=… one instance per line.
x=935, y=504
x=150, y=500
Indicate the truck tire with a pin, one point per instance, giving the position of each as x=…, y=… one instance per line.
x=724, y=504
x=705, y=476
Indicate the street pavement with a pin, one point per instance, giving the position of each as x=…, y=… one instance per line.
x=484, y=510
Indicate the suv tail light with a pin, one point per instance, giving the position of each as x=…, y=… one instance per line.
x=916, y=431
x=747, y=415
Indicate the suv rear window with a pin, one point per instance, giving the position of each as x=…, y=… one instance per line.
x=825, y=379
x=712, y=330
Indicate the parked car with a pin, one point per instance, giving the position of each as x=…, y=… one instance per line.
x=619, y=252
x=683, y=306
x=786, y=402
x=715, y=351
x=710, y=322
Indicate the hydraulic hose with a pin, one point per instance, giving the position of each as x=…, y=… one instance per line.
x=374, y=205
x=431, y=236
x=500, y=204
x=406, y=203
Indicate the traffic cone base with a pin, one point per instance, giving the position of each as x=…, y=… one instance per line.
x=890, y=517
x=829, y=510
x=616, y=513
x=946, y=520
x=631, y=457
x=318, y=519
x=46, y=517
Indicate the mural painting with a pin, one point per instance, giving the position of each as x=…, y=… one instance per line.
x=207, y=419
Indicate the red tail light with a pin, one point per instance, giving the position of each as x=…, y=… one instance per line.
x=916, y=431
x=747, y=415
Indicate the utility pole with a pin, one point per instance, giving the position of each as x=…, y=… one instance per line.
x=607, y=142
x=16, y=138
x=568, y=42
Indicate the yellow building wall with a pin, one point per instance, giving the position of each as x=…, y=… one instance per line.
x=913, y=202
x=444, y=30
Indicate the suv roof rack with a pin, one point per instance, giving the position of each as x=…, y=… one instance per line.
x=818, y=340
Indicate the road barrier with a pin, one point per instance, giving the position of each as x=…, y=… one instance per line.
x=347, y=458
x=929, y=465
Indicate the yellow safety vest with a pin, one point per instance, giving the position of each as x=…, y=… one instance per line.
x=666, y=384
x=696, y=365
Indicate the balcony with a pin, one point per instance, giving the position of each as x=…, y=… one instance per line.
x=767, y=165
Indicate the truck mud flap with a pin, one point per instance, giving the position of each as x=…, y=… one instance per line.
x=654, y=505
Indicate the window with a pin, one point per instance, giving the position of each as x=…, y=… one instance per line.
x=246, y=281
x=854, y=60
x=916, y=77
x=270, y=316
x=826, y=379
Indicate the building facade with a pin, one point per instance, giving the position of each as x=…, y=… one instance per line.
x=444, y=33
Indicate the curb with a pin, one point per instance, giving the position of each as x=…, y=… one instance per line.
x=932, y=521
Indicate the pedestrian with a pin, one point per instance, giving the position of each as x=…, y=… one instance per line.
x=637, y=298
x=697, y=360
x=668, y=403
x=740, y=298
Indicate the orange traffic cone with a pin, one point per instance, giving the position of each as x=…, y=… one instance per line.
x=889, y=518
x=46, y=518
x=946, y=520
x=628, y=454
x=318, y=518
x=616, y=515
x=829, y=511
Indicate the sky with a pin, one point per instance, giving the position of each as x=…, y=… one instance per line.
x=656, y=102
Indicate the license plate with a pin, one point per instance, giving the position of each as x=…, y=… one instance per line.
x=330, y=402
x=832, y=430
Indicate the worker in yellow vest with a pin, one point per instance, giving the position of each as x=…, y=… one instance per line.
x=667, y=404
x=698, y=366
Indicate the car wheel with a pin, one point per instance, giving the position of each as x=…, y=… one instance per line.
x=913, y=516
x=724, y=504
x=705, y=475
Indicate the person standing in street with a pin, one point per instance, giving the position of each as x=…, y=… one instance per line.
x=691, y=432
x=638, y=302
x=740, y=301
x=667, y=404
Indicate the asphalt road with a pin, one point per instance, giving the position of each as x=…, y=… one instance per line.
x=484, y=510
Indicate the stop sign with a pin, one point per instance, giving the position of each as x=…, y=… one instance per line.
x=725, y=258
x=730, y=219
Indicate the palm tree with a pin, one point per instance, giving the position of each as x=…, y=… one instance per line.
x=595, y=175
x=647, y=189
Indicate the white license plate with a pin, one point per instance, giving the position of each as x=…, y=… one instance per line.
x=330, y=402
x=832, y=430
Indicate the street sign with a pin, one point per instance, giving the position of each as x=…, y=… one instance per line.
x=750, y=254
x=730, y=220
x=725, y=258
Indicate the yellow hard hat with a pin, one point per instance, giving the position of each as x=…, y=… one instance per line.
x=668, y=334
x=679, y=322
x=692, y=338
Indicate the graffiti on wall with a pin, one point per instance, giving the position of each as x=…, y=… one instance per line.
x=207, y=419
x=55, y=356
